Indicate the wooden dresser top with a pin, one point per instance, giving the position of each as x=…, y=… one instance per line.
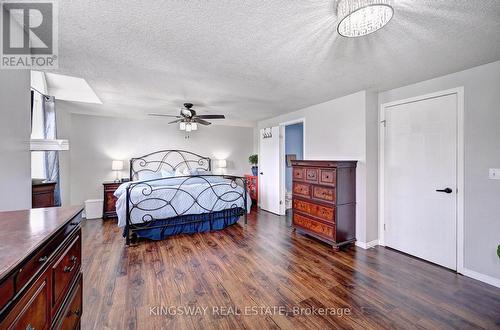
x=325, y=163
x=22, y=232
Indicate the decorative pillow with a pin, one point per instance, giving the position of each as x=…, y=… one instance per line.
x=200, y=172
x=148, y=175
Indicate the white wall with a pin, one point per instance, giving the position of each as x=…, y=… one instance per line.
x=15, y=130
x=96, y=141
x=482, y=151
x=337, y=130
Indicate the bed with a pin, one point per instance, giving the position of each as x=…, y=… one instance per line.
x=174, y=192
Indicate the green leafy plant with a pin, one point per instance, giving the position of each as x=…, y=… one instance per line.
x=498, y=251
x=253, y=159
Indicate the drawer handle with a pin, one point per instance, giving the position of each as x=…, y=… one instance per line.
x=77, y=313
x=43, y=259
x=69, y=269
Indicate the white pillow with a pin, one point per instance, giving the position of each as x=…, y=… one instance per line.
x=182, y=172
x=194, y=171
x=148, y=175
x=167, y=173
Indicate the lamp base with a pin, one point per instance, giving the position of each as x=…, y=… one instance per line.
x=117, y=179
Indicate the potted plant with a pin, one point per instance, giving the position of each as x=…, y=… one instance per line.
x=254, y=160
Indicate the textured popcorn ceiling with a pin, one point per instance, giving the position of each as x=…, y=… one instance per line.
x=253, y=59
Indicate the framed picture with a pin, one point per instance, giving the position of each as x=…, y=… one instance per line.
x=289, y=159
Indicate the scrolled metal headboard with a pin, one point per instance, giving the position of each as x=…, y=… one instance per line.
x=169, y=160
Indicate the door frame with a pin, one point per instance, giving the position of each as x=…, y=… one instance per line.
x=282, y=156
x=279, y=168
x=459, y=91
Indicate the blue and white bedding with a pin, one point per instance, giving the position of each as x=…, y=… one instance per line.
x=215, y=195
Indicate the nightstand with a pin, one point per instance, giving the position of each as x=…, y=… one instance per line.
x=109, y=208
x=42, y=194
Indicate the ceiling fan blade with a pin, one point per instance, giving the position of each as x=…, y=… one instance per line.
x=176, y=121
x=211, y=116
x=163, y=115
x=201, y=121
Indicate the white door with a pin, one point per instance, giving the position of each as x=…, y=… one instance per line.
x=421, y=179
x=269, y=170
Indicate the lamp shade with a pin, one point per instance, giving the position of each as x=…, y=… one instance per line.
x=117, y=165
x=361, y=17
x=221, y=163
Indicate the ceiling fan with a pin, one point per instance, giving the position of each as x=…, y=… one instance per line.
x=188, y=119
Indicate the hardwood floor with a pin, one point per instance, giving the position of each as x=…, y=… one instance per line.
x=251, y=269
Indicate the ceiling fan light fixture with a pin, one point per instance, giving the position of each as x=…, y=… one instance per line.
x=359, y=18
x=188, y=127
x=182, y=126
x=194, y=126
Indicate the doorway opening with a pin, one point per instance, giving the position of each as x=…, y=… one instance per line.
x=292, y=148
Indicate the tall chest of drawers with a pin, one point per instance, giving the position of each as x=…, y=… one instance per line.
x=324, y=200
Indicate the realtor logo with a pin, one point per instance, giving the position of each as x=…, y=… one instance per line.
x=28, y=34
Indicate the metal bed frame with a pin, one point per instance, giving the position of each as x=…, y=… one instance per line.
x=172, y=160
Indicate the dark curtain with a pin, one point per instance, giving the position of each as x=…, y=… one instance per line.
x=51, y=157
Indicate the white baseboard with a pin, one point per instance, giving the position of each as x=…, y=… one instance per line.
x=367, y=245
x=481, y=277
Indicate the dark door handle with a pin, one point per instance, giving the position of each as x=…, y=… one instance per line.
x=261, y=173
x=447, y=190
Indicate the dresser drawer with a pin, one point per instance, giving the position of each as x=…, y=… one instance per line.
x=313, y=226
x=324, y=194
x=6, y=291
x=72, y=311
x=65, y=270
x=43, y=256
x=328, y=177
x=32, y=311
x=323, y=212
x=302, y=189
x=298, y=173
x=35, y=264
x=312, y=175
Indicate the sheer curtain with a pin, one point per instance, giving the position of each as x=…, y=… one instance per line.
x=51, y=157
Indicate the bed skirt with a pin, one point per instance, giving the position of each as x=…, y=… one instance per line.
x=188, y=224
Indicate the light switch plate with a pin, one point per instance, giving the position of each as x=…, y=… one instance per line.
x=494, y=173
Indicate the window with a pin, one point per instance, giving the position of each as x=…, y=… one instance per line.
x=37, y=132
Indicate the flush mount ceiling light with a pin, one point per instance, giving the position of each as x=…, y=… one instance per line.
x=361, y=17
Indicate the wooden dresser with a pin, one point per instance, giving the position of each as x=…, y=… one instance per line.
x=40, y=278
x=324, y=200
x=109, y=204
x=42, y=194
